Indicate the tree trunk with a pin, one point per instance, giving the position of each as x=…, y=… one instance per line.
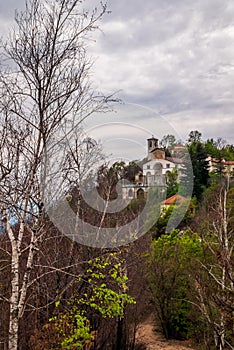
x=13, y=329
x=119, y=335
x=14, y=312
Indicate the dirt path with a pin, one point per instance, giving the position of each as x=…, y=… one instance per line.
x=155, y=341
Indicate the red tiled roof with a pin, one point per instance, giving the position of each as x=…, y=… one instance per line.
x=178, y=199
x=179, y=145
x=229, y=162
x=225, y=162
x=214, y=160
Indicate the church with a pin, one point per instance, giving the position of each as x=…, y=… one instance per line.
x=153, y=173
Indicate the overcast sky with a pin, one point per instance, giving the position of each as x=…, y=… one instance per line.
x=175, y=57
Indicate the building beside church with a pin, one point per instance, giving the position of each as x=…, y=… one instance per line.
x=221, y=165
x=176, y=199
x=154, y=172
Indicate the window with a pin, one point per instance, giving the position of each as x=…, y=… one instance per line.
x=140, y=193
x=148, y=166
x=168, y=165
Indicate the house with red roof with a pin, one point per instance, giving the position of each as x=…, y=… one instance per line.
x=176, y=199
x=226, y=165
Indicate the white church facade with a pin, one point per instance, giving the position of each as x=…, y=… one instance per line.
x=153, y=174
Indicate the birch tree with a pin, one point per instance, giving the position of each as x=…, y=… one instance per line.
x=215, y=283
x=44, y=83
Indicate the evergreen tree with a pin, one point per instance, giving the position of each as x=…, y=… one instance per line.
x=200, y=164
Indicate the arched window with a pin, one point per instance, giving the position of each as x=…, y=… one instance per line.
x=130, y=193
x=148, y=178
x=140, y=193
x=158, y=169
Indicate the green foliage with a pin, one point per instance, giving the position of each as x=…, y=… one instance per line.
x=198, y=156
x=219, y=149
x=106, y=294
x=184, y=211
x=211, y=148
x=109, y=297
x=158, y=229
x=199, y=151
x=229, y=152
x=172, y=182
x=172, y=257
x=181, y=215
x=176, y=242
x=73, y=328
x=186, y=176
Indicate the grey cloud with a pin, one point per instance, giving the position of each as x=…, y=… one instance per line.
x=174, y=56
x=212, y=124
x=7, y=8
x=154, y=28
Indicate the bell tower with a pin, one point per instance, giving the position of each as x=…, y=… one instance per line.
x=152, y=145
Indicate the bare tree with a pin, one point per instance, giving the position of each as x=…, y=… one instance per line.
x=215, y=282
x=46, y=84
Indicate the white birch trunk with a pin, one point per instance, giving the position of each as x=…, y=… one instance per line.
x=18, y=295
x=14, y=311
x=24, y=288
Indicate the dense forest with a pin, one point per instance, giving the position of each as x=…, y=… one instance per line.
x=56, y=293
